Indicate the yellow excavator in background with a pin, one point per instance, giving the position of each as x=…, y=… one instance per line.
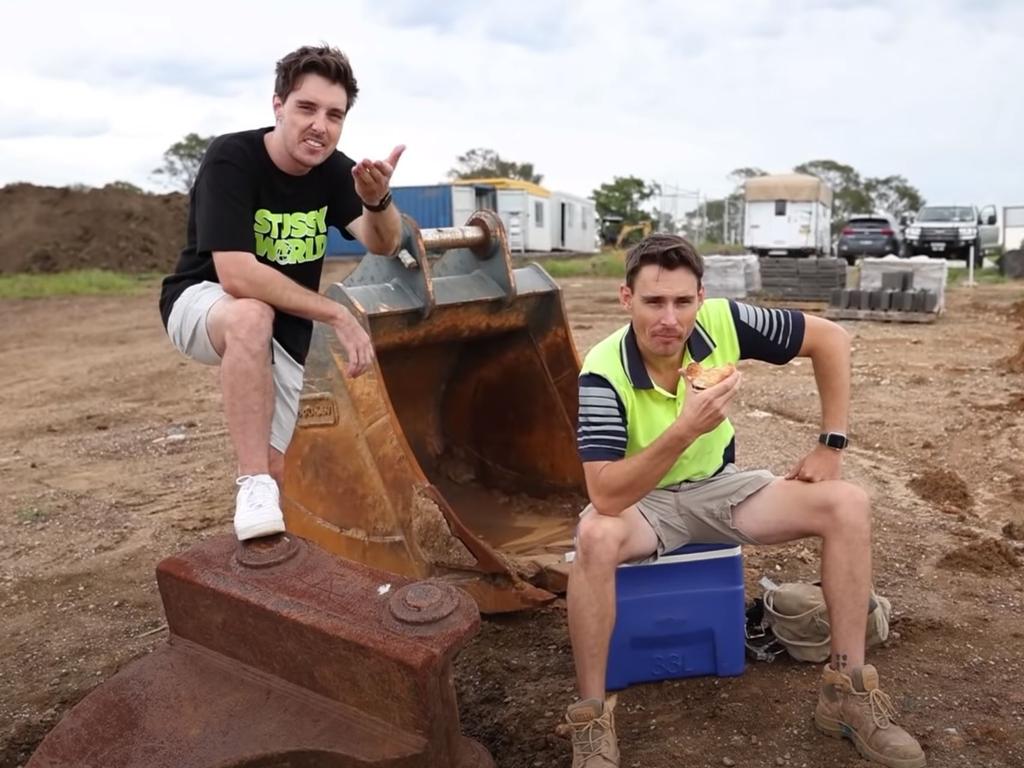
x=615, y=232
x=644, y=228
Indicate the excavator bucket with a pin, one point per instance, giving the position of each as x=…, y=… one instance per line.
x=455, y=456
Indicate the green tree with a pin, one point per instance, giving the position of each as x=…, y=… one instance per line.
x=623, y=197
x=482, y=163
x=124, y=186
x=853, y=193
x=182, y=160
x=849, y=193
x=739, y=175
x=714, y=212
x=894, y=194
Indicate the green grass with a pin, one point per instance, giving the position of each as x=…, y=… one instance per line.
x=721, y=249
x=82, y=282
x=611, y=262
x=31, y=515
x=605, y=264
x=958, y=275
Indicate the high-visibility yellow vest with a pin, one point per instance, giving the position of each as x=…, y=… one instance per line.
x=650, y=409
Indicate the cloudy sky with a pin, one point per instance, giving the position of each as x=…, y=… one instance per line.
x=678, y=92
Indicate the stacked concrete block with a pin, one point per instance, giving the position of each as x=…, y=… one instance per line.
x=929, y=300
x=801, y=279
x=725, y=277
x=752, y=272
x=1011, y=264
x=924, y=273
x=885, y=300
x=902, y=280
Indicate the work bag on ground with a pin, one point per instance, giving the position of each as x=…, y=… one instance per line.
x=798, y=618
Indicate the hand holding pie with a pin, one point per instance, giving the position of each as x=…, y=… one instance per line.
x=703, y=378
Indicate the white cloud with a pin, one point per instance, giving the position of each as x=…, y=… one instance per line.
x=678, y=92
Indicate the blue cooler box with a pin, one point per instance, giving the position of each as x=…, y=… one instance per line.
x=681, y=616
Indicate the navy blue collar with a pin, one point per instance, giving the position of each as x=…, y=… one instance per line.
x=699, y=345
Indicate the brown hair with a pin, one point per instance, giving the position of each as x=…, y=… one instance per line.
x=324, y=60
x=668, y=252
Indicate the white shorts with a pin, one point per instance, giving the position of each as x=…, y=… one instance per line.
x=186, y=327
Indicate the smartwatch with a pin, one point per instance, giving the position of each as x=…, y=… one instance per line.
x=835, y=440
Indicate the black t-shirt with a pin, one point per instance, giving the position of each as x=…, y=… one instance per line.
x=241, y=201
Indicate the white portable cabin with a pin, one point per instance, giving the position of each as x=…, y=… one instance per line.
x=468, y=199
x=525, y=209
x=1013, y=227
x=573, y=225
x=787, y=214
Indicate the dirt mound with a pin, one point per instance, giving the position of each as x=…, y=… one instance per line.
x=51, y=229
x=944, y=488
x=987, y=557
x=1016, y=313
x=1015, y=363
x=1015, y=403
x=914, y=627
x=1014, y=530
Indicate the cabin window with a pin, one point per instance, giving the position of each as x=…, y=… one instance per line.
x=780, y=207
x=538, y=214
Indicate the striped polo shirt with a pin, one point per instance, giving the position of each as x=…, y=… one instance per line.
x=622, y=410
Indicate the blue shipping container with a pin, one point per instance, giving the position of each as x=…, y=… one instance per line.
x=429, y=206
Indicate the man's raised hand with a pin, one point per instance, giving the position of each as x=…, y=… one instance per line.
x=373, y=177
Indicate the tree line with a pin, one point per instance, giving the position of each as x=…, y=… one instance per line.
x=631, y=199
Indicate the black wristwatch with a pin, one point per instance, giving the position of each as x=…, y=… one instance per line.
x=835, y=440
x=382, y=205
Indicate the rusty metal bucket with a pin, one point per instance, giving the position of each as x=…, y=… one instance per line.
x=282, y=655
x=455, y=457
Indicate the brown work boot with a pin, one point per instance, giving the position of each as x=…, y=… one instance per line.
x=593, y=734
x=855, y=707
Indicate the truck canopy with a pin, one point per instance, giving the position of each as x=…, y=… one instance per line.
x=797, y=187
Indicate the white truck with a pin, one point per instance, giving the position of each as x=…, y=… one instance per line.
x=787, y=215
x=953, y=232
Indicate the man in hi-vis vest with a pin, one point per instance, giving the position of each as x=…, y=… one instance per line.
x=658, y=458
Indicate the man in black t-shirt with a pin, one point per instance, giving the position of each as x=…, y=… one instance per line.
x=245, y=294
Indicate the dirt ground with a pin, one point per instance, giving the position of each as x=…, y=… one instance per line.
x=113, y=454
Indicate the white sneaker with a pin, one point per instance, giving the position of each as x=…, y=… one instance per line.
x=257, y=507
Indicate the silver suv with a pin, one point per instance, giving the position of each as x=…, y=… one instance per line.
x=953, y=232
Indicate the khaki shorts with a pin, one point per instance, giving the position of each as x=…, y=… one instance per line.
x=186, y=327
x=700, y=512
